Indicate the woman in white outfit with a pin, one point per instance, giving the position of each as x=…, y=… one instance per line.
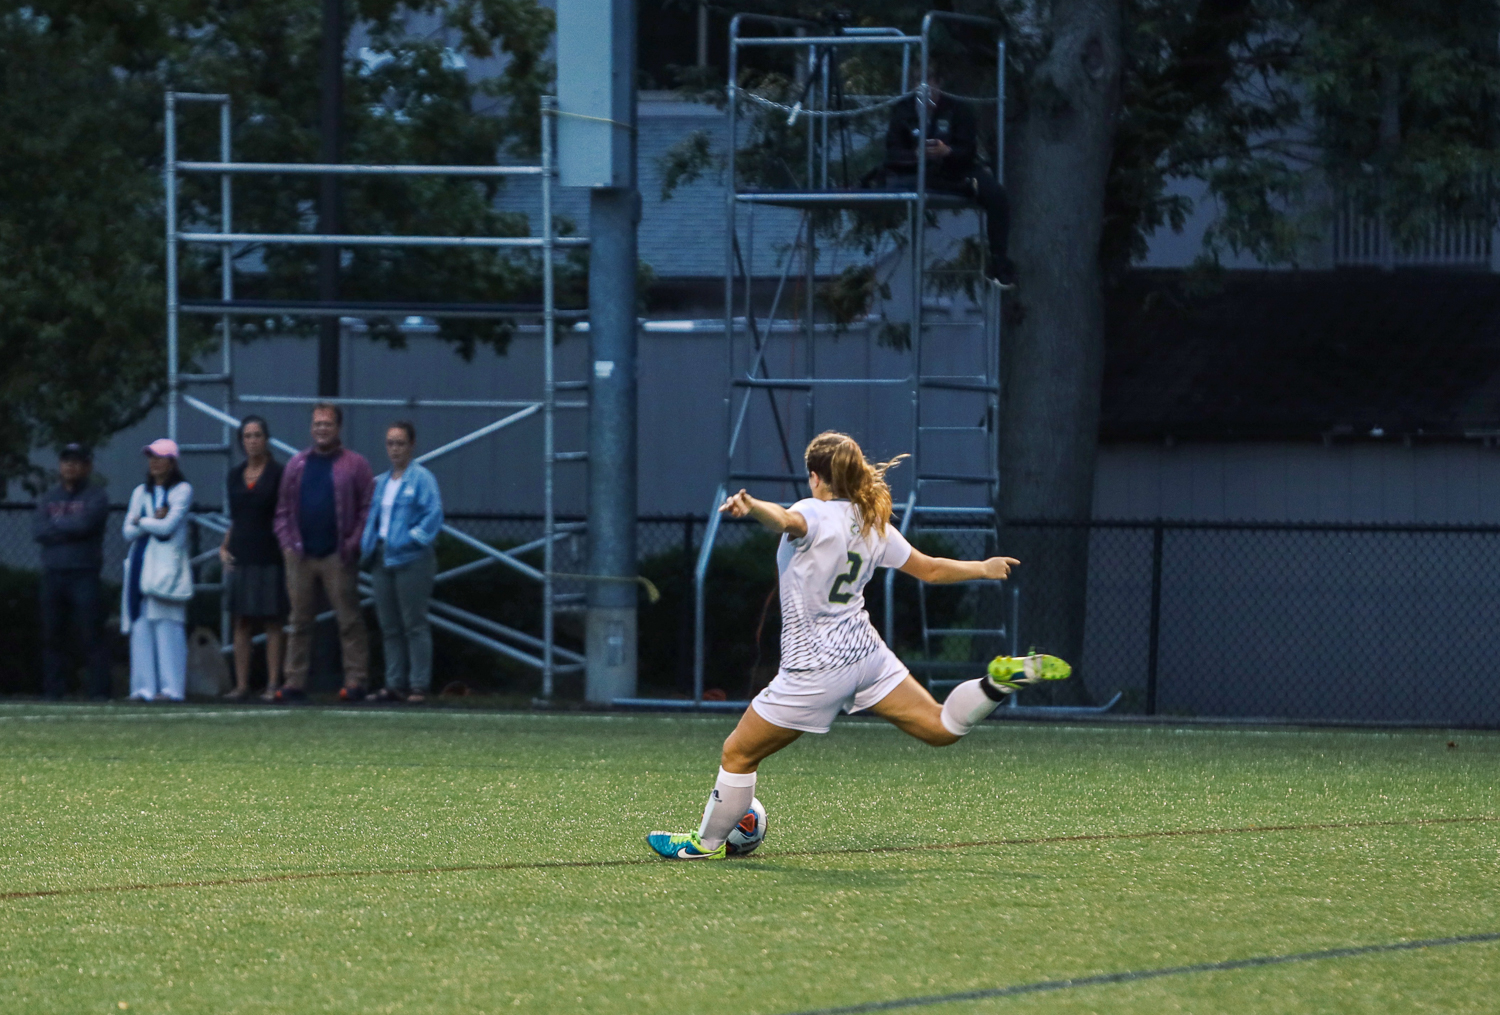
x=158, y=578
x=832, y=658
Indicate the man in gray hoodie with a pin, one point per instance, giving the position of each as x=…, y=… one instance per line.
x=69, y=523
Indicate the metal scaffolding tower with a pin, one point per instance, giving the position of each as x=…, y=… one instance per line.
x=952, y=406
x=538, y=651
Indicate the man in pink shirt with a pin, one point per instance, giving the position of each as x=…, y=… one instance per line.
x=320, y=517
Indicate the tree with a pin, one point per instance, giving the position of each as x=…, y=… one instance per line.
x=1279, y=108
x=1275, y=106
x=81, y=238
x=1054, y=356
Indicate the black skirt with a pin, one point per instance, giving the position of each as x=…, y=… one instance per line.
x=257, y=590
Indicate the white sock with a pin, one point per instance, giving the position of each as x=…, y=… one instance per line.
x=726, y=805
x=969, y=704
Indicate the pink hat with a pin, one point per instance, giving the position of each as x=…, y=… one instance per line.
x=162, y=447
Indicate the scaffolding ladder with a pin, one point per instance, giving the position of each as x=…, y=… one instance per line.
x=538, y=651
x=940, y=499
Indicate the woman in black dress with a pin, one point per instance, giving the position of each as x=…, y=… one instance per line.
x=254, y=575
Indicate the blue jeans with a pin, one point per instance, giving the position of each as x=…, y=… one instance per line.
x=73, y=594
x=401, y=598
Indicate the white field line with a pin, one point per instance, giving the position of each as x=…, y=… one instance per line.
x=103, y=713
x=102, y=717
x=108, y=713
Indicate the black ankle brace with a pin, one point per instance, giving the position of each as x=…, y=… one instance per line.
x=991, y=691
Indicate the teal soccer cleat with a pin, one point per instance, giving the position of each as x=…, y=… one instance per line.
x=683, y=846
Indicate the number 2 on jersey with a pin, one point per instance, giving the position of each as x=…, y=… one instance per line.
x=847, y=578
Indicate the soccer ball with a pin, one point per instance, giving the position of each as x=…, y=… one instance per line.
x=749, y=833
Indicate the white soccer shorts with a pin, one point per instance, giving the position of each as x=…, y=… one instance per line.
x=808, y=700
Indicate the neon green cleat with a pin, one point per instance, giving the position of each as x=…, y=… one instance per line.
x=683, y=846
x=1036, y=669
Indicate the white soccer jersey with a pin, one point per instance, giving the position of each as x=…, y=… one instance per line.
x=823, y=578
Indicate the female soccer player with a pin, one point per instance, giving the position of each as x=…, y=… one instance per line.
x=832, y=659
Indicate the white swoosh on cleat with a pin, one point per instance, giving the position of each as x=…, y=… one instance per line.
x=683, y=854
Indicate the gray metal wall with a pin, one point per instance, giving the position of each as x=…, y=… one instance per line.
x=683, y=421
x=683, y=413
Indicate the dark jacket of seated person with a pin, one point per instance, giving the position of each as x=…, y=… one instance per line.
x=953, y=168
x=949, y=121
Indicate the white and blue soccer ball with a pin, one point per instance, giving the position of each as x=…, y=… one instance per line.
x=749, y=833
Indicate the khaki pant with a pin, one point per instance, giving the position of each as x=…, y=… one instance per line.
x=341, y=583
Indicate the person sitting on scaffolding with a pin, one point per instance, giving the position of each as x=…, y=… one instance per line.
x=953, y=166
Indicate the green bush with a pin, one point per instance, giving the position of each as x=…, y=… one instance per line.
x=742, y=622
x=741, y=603
x=741, y=577
x=21, y=634
x=506, y=597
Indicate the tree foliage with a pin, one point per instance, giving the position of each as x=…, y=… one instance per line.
x=81, y=239
x=1406, y=95
x=1284, y=108
x=408, y=99
x=1276, y=107
x=81, y=234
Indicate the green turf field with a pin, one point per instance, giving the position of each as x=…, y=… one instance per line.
x=464, y=862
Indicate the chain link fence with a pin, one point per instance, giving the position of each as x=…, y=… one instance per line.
x=668, y=549
x=1356, y=623
x=1359, y=623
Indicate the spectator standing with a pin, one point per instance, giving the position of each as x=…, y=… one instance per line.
x=320, y=520
x=69, y=523
x=158, y=578
x=406, y=516
x=953, y=166
x=254, y=573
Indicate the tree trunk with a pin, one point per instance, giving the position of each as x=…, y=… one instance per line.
x=1054, y=346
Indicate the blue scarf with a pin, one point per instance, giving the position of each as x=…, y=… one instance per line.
x=133, y=595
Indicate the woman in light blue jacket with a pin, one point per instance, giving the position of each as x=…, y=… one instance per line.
x=406, y=513
x=158, y=578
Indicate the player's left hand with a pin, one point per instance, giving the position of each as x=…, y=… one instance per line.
x=998, y=568
x=737, y=505
x=937, y=149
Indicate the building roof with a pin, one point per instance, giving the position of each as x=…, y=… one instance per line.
x=1303, y=354
x=683, y=236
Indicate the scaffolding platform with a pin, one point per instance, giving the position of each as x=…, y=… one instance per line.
x=375, y=310
x=951, y=483
x=539, y=650
x=844, y=200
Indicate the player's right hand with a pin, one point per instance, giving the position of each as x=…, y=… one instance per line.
x=737, y=505
x=998, y=568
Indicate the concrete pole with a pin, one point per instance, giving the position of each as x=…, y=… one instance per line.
x=614, y=213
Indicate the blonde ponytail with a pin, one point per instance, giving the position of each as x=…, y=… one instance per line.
x=839, y=462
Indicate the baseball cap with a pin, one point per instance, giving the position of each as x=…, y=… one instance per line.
x=162, y=447
x=75, y=452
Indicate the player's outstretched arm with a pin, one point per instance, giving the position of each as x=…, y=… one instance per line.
x=943, y=571
x=773, y=516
